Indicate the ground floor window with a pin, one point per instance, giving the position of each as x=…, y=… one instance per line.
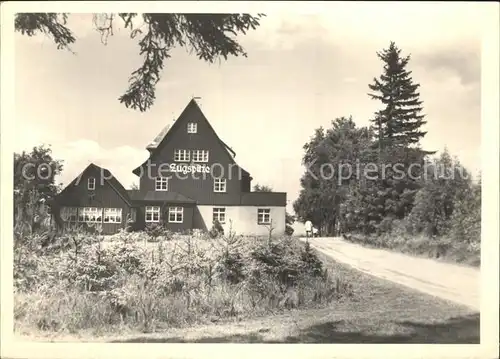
x=112, y=215
x=219, y=214
x=175, y=214
x=263, y=216
x=69, y=214
x=90, y=215
x=152, y=214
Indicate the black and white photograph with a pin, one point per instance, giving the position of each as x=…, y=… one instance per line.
x=265, y=173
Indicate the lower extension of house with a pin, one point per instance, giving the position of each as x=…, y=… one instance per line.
x=189, y=180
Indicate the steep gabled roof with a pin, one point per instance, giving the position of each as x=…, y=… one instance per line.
x=163, y=136
x=158, y=138
x=108, y=177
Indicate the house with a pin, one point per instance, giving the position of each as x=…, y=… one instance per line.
x=190, y=180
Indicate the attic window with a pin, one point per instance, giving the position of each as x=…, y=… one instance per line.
x=91, y=184
x=192, y=127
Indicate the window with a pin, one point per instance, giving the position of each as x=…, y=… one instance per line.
x=161, y=184
x=152, y=214
x=219, y=214
x=91, y=184
x=263, y=216
x=69, y=214
x=90, y=215
x=192, y=127
x=175, y=214
x=219, y=185
x=181, y=155
x=200, y=156
x=112, y=215
x=132, y=215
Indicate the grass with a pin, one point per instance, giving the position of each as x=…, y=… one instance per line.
x=378, y=311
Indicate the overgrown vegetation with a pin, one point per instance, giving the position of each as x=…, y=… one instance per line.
x=34, y=188
x=87, y=283
x=377, y=186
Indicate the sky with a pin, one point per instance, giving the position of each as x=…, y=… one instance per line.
x=303, y=70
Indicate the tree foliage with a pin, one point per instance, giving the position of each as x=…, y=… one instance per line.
x=34, y=186
x=262, y=188
x=377, y=180
x=209, y=36
x=400, y=120
x=446, y=184
x=331, y=158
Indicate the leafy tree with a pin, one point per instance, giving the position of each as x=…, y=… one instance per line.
x=34, y=186
x=209, y=36
x=465, y=222
x=262, y=188
x=331, y=158
x=445, y=184
x=399, y=122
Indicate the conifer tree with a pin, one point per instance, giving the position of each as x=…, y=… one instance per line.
x=399, y=122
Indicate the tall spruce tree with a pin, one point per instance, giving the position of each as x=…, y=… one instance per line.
x=399, y=123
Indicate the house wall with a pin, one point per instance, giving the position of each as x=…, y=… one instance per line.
x=198, y=186
x=187, y=219
x=242, y=219
x=104, y=196
x=187, y=223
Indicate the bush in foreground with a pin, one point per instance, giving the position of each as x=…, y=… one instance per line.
x=134, y=285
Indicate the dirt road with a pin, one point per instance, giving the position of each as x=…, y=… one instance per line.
x=448, y=281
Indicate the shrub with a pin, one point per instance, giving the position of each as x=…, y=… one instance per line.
x=103, y=285
x=230, y=267
x=217, y=230
x=158, y=231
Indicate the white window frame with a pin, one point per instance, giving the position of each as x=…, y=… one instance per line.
x=91, y=183
x=262, y=214
x=114, y=215
x=161, y=184
x=181, y=155
x=219, y=214
x=200, y=156
x=220, y=185
x=176, y=211
x=90, y=215
x=69, y=214
x=192, y=127
x=152, y=210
